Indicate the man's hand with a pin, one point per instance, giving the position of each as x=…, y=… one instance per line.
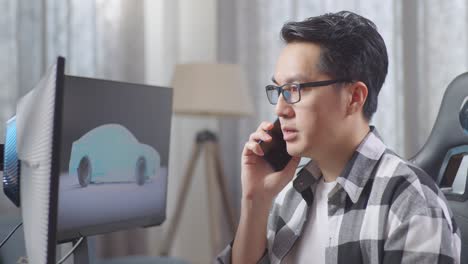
x=259, y=181
x=260, y=184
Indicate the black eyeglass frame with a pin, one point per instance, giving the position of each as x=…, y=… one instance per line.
x=300, y=86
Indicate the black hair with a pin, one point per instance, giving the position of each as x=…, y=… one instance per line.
x=350, y=48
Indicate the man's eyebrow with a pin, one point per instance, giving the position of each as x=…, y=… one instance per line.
x=292, y=79
x=273, y=80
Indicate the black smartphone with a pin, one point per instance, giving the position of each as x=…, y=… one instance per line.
x=275, y=151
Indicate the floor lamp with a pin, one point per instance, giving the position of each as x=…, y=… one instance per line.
x=214, y=90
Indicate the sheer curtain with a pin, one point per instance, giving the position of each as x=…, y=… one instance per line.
x=183, y=31
x=100, y=39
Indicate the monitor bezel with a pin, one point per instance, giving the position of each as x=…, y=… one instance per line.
x=55, y=169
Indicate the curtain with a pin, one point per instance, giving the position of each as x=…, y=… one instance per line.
x=184, y=31
x=99, y=39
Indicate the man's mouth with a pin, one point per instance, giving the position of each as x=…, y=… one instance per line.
x=289, y=133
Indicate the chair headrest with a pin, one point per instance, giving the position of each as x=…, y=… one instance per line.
x=450, y=129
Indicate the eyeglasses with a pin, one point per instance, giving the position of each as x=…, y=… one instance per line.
x=292, y=91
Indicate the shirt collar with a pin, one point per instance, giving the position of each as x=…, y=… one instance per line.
x=356, y=172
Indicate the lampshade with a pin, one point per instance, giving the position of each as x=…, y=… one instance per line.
x=211, y=89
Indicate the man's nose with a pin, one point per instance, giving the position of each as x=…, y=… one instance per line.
x=282, y=108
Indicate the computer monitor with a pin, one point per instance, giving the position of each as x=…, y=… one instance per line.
x=93, y=158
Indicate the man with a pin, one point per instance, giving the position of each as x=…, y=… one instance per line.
x=356, y=201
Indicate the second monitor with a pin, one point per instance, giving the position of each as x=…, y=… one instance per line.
x=113, y=156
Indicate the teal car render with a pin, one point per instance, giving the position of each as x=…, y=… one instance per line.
x=110, y=153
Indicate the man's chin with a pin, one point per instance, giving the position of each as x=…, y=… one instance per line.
x=293, y=151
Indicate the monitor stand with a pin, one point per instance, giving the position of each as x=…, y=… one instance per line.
x=81, y=254
x=85, y=252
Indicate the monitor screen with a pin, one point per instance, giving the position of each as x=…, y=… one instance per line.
x=113, y=156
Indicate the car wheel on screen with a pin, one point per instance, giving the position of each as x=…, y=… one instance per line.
x=84, y=172
x=140, y=171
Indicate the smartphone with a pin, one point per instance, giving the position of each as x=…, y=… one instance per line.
x=275, y=151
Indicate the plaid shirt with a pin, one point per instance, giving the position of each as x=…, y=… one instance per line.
x=383, y=209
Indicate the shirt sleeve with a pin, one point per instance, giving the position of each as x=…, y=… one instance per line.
x=225, y=256
x=422, y=239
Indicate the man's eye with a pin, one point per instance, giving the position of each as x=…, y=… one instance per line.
x=293, y=88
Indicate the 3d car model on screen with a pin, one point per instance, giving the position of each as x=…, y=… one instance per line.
x=109, y=154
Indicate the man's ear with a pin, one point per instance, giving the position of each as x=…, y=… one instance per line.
x=357, y=97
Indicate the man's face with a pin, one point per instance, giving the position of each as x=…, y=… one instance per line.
x=313, y=125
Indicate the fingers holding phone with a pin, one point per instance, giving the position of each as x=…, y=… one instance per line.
x=253, y=146
x=266, y=165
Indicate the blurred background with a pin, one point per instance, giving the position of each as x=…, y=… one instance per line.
x=141, y=41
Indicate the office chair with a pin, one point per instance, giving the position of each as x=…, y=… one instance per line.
x=444, y=156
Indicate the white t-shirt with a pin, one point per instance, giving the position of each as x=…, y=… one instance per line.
x=313, y=241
